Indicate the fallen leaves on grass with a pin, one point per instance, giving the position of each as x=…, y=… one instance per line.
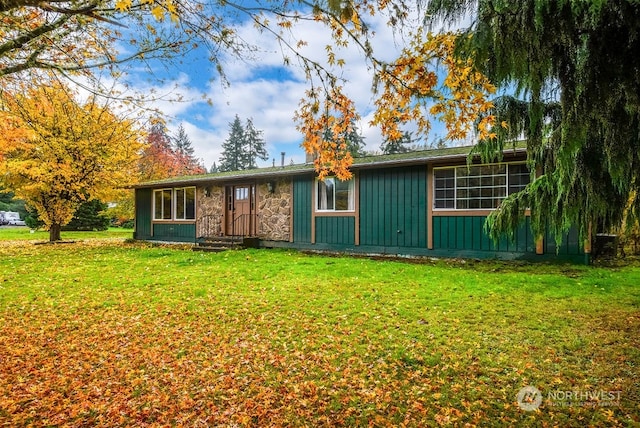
x=208, y=351
x=122, y=367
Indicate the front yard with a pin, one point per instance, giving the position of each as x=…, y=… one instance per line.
x=22, y=233
x=112, y=333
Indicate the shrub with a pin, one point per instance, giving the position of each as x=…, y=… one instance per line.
x=127, y=224
x=89, y=216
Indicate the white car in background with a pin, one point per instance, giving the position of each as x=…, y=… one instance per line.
x=11, y=218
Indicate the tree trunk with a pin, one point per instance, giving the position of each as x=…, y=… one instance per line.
x=54, y=232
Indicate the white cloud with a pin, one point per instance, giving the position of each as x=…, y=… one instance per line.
x=255, y=92
x=174, y=97
x=269, y=94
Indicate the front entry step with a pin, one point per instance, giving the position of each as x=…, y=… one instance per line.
x=219, y=243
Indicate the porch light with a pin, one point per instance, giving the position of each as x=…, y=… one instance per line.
x=271, y=186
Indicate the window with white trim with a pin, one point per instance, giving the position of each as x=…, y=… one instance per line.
x=479, y=187
x=334, y=195
x=185, y=203
x=162, y=202
x=174, y=204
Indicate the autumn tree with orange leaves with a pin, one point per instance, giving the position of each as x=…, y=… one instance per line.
x=58, y=152
x=164, y=156
x=71, y=37
x=408, y=91
x=158, y=159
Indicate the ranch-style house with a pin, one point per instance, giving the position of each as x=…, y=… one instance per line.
x=427, y=203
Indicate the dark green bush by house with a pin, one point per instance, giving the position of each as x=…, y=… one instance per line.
x=33, y=221
x=90, y=216
x=127, y=224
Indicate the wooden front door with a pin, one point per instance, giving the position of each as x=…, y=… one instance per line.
x=240, y=210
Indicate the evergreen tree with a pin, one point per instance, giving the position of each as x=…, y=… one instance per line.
x=183, y=147
x=182, y=144
x=402, y=145
x=214, y=168
x=352, y=138
x=90, y=215
x=355, y=143
x=575, y=68
x=185, y=154
x=254, y=146
x=231, y=158
x=9, y=203
x=441, y=143
x=242, y=148
x=33, y=220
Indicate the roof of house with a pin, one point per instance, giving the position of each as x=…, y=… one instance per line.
x=398, y=159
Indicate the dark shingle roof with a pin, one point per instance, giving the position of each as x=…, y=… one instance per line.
x=399, y=159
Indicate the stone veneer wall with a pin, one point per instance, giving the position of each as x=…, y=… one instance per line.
x=274, y=210
x=210, y=211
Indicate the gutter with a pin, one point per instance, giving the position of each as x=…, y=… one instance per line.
x=424, y=160
x=309, y=169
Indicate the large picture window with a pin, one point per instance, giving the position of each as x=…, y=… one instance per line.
x=174, y=204
x=334, y=195
x=479, y=187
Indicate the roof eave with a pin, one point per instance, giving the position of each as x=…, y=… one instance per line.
x=309, y=169
x=428, y=159
x=224, y=178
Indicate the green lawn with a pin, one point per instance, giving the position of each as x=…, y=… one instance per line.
x=115, y=333
x=24, y=233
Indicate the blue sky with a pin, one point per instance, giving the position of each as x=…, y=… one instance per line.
x=264, y=90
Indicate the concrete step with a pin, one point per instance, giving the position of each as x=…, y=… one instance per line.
x=222, y=239
x=219, y=243
x=213, y=249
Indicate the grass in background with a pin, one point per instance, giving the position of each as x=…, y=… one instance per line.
x=117, y=334
x=12, y=233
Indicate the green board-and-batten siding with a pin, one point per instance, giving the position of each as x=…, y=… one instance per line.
x=393, y=207
x=335, y=230
x=143, y=228
x=570, y=245
x=467, y=233
x=175, y=232
x=302, y=205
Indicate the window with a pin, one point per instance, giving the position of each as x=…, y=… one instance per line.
x=477, y=187
x=334, y=195
x=445, y=185
x=519, y=177
x=162, y=204
x=185, y=203
x=242, y=193
x=480, y=187
x=174, y=204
